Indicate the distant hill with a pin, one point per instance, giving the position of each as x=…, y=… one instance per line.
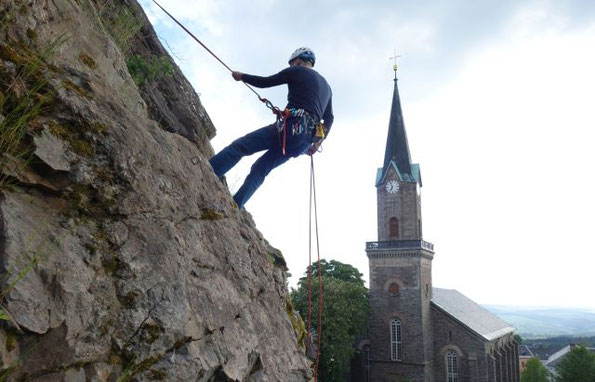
x=547, y=322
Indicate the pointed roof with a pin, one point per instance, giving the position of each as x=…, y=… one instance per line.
x=397, y=147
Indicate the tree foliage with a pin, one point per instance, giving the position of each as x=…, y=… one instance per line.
x=344, y=314
x=577, y=365
x=534, y=371
x=338, y=270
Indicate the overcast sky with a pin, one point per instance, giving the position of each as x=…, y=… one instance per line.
x=498, y=100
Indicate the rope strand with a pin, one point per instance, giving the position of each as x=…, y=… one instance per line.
x=320, y=304
x=268, y=103
x=309, y=265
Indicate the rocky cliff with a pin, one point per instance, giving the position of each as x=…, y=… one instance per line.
x=122, y=256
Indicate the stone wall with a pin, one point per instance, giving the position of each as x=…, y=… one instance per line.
x=478, y=359
x=411, y=271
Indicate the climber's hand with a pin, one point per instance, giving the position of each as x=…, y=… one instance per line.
x=314, y=148
x=237, y=75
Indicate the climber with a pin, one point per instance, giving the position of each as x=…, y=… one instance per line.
x=309, y=101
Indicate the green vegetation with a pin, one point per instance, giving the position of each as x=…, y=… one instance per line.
x=297, y=323
x=25, y=94
x=11, y=341
x=151, y=332
x=144, y=70
x=122, y=25
x=577, y=365
x=344, y=316
x=134, y=368
x=534, y=372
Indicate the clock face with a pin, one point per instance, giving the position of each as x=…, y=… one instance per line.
x=392, y=187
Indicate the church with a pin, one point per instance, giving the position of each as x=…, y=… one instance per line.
x=419, y=333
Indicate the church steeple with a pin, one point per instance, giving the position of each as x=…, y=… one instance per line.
x=397, y=147
x=398, y=183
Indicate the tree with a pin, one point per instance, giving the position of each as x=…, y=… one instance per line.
x=338, y=270
x=344, y=314
x=535, y=372
x=577, y=365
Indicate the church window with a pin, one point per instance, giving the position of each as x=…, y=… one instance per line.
x=366, y=360
x=393, y=288
x=396, y=344
x=451, y=366
x=394, y=228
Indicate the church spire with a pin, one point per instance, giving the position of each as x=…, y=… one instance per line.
x=397, y=147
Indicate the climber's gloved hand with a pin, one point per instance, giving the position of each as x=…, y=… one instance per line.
x=314, y=148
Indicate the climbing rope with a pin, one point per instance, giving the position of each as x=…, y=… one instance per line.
x=278, y=112
x=313, y=203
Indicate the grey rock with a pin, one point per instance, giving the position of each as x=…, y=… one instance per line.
x=52, y=151
x=143, y=262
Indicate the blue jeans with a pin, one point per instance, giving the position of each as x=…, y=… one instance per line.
x=265, y=138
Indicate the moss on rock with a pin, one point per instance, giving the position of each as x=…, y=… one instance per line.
x=297, y=323
x=88, y=61
x=210, y=214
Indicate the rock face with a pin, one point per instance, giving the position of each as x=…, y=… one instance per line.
x=123, y=257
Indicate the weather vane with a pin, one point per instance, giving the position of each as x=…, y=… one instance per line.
x=394, y=58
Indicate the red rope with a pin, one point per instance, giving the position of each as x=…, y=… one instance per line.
x=320, y=305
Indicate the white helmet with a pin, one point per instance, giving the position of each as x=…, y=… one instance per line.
x=305, y=54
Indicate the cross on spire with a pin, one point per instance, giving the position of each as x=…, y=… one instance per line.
x=394, y=58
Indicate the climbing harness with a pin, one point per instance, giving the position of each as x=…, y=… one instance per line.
x=303, y=123
x=319, y=332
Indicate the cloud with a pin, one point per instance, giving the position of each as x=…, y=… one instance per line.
x=513, y=129
x=497, y=103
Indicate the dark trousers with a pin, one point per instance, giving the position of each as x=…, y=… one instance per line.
x=265, y=138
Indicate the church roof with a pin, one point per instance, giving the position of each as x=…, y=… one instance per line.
x=397, y=147
x=470, y=314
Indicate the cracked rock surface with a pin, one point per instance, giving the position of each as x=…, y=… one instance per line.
x=120, y=255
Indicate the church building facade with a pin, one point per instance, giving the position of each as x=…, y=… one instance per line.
x=419, y=333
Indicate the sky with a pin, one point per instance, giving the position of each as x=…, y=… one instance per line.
x=498, y=100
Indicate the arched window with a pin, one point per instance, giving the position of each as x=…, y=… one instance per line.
x=366, y=360
x=451, y=366
x=394, y=228
x=396, y=344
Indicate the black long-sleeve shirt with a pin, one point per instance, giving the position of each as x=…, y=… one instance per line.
x=307, y=90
